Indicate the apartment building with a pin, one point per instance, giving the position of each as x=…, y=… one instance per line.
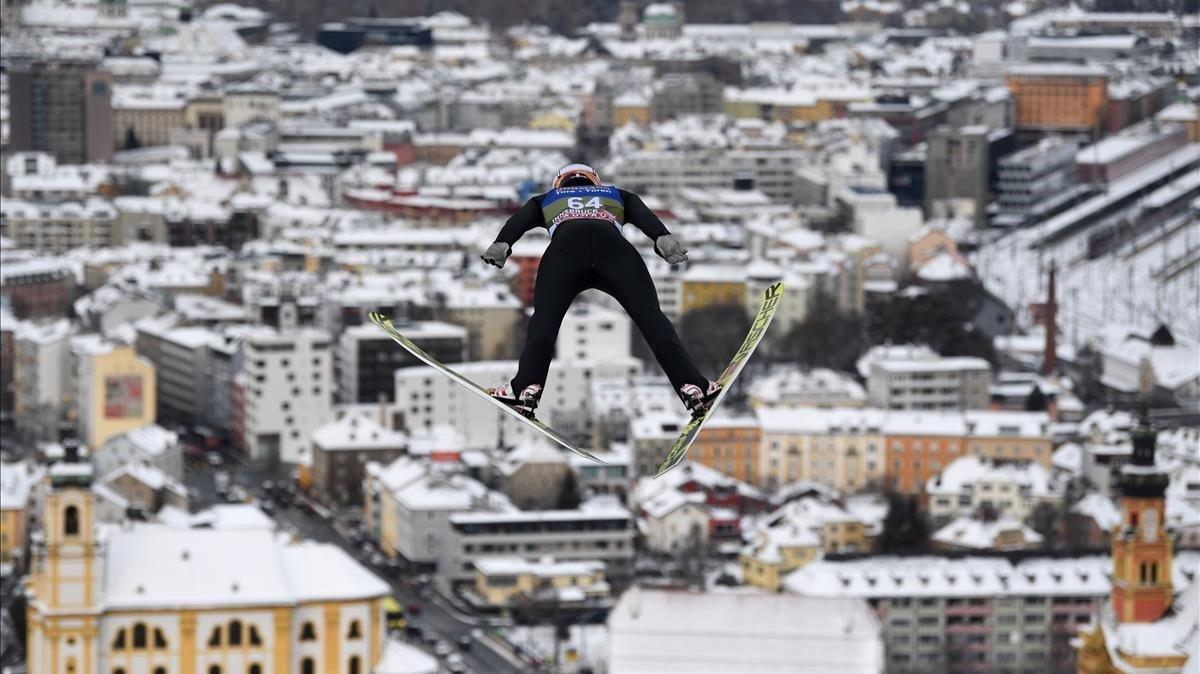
x=971, y=483
x=663, y=173
x=37, y=287
x=856, y=448
x=286, y=390
x=1065, y=97
x=1033, y=182
x=40, y=376
x=428, y=399
x=976, y=614
x=341, y=450
x=63, y=106
x=55, y=228
x=367, y=358
x=114, y=389
x=179, y=355
x=731, y=445
x=920, y=445
x=603, y=533
x=929, y=383
x=843, y=448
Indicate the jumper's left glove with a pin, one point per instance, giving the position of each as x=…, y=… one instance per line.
x=496, y=254
x=671, y=248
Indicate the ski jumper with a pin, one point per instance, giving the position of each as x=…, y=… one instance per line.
x=588, y=250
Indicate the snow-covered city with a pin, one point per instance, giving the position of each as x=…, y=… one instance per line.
x=610, y=337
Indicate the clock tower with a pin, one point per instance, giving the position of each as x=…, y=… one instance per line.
x=1141, y=546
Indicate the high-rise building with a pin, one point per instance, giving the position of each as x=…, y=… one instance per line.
x=62, y=106
x=957, y=169
x=1063, y=97
x=1036, y=181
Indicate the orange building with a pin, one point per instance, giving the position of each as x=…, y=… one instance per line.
x=730, y=445
x=1059, y=96
x=920, y=445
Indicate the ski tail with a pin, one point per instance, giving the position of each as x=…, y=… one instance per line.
x=386, y=324
x=766, y=312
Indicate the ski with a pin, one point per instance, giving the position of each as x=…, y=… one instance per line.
x=758, y=328
x=386, y=324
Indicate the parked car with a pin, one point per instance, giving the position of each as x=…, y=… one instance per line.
x=413, y=631
x=413, y=608
x=455, y=663
x=215, y=459
x=267, y=506
x=442, y=649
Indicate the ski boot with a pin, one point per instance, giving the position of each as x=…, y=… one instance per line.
x=697, y=400
x=524, y=404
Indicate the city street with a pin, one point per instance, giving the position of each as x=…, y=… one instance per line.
x=436, y=615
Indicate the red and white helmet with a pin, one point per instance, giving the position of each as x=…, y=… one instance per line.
x=576, y=171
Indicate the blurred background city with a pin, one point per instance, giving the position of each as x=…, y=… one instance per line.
x=969, y=443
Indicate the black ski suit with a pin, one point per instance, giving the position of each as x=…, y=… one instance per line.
x=587, y=250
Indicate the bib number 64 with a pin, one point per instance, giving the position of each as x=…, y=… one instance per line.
x=577, y=203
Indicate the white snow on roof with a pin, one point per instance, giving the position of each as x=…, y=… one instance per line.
x=17, y=481
x=668, y=501
x=889, y=352
x=152, y=477
x=230, y=516
x=401, y=658
x=151, y=439
x=975, y=534
x=1068, y=457
x=965, y=472
x=357, y=432
x=543, y=568
x=708, y=632
x=945, y=266
x=819, y=385
x=1100, y=509
x=199, y=568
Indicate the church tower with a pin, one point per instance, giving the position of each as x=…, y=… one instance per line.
x=1141, y=546
x=63, y=607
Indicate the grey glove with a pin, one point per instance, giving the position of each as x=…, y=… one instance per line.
x=496, y=254
x=671, y=248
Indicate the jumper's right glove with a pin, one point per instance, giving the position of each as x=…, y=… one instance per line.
x=496, y=254
x=671, y=248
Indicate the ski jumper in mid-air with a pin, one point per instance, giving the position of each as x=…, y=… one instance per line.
x=588, y=250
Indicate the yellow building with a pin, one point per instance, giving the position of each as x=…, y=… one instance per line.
x=630, y=108
x=1009, y=436
x=114, y=389
x=777, y=105
x=709, y=285
x=192, y=601
x=839, y=447
x=18, y=486
x=146, y=121
x=776, y=552
x=506, y=581
x=1144, y=627
x=798, y=532
x=926, y=244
